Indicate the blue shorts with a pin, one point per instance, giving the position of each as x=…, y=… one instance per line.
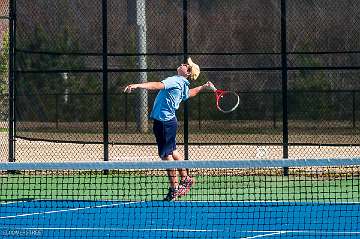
x=165, y=134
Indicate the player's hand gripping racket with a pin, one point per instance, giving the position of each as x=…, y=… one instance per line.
x=226, y=101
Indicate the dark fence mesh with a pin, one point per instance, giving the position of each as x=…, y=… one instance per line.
x=60, y=72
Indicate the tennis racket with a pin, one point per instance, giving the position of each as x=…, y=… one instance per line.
x=226, y=101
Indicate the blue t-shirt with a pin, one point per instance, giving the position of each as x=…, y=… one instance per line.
x=168, y=99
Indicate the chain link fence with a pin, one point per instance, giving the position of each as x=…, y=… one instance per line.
x=294, y=64
x=4, y=40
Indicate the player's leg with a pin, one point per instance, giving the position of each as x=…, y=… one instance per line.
x=177, y=156
x=186, y=181
x=165, y=133
x=173, y=182
x=172, y=174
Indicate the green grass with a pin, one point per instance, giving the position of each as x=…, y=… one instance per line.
x=4, y=130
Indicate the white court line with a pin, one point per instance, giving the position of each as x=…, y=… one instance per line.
x=291, y=202
x=303, y=232
x=127, y=203
x=200, y=201
x=24, y=201
x=13, y=202
x=264, y=235
x=310, y=231
x=68, y=210
x=114, y=229
x=269, y=233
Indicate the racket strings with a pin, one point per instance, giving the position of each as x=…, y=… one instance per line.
x=228, y=101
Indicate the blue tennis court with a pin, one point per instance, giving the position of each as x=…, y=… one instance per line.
x=181, y=219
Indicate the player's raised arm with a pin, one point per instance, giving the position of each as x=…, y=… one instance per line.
x=147, y=85
x=194, y=91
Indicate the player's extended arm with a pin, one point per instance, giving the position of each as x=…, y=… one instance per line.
x=194, y=91
x=147, y=85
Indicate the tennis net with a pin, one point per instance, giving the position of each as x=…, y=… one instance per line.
x=319, y=198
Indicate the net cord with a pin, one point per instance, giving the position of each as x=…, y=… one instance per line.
x=201, y=164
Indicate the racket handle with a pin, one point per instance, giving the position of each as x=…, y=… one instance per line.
x=212, y=87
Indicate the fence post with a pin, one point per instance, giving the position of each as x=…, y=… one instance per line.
x=199, y=110
x=126, y=111
x=141, y=94
x=274, y=109
x=284, y=77
x=105, y=81
x=11, y=138
x=57, y=110
x=186, y=103
x=353, y=109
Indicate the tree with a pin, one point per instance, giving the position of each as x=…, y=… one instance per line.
x=4, y=64
x=37, y=92
x=4, y=73
x=310, y=99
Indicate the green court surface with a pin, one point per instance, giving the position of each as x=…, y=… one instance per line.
x=133, y=186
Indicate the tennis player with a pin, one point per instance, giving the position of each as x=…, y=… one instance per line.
x=173, y=90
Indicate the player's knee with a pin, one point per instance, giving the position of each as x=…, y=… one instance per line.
x=168, y=157
x=176, y=155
